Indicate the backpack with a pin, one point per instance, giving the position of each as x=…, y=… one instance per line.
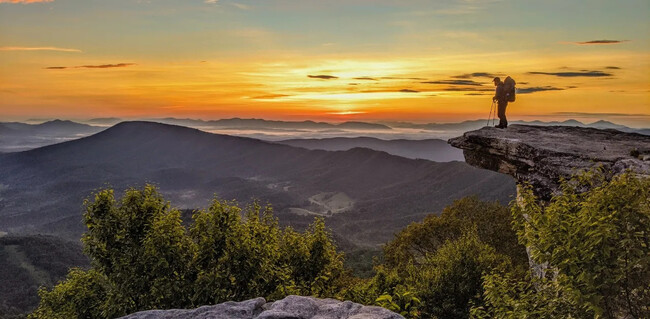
x=509, y=89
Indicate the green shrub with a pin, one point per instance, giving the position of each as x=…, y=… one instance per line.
x=144, y=258
x=594, y=239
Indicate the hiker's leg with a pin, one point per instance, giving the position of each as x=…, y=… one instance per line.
x=502, y=114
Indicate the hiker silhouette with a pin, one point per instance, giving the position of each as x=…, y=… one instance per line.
x=502, y=101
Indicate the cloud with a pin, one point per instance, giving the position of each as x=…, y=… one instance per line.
x=107, y=66
x=400, y=78
x=538, y=89
x=467, y=89
x=240, y=6
x=366, y=78
x=101, y=66
x=38, y=48
x=408, y=91
x=575, y=74
x=25, y=1
x=474, y=75
x=612, y=68
x=211, y=1
x=455, y=82
x=600, y=42
x=323, y=77
x=270, y=96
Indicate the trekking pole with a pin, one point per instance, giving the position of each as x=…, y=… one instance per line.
x=494, y=114
x=490, y=116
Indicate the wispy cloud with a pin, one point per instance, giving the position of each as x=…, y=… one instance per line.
x=100, y=66
x=538, y=89
x=211, y=1
x=474, y=75
x=575, y=74
x=323, y=77
x=240, y=6
x=269, y=96
x=38, y=48
x=366, y=78
x=454, y=82
x=468, y=89
x=596, y=42
x=409, y=91
x=401, y=78
x=612, y=68
x=25, y=1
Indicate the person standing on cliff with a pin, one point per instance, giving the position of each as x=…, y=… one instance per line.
x=502, y=102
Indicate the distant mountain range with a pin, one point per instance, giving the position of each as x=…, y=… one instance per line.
x=257, y=124
x=19, y=136
x=16, y=136
x=476, y=124
x=367, y=195
x=431, y=149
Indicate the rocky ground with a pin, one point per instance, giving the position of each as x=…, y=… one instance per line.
x=542, y=155
x=291, y=307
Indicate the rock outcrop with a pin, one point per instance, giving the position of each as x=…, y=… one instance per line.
x=541, y=155
x=291, y=307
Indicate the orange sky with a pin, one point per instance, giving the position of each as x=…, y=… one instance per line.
x=354, y=60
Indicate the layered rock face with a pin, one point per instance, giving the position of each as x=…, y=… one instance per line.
x=541, y=155
x=291, y=307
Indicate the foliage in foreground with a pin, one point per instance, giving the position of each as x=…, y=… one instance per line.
x=144, y=258
x=467, y=262
x=596, y=245
x=434, y=268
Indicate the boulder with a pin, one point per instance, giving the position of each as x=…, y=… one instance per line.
x=291, y=307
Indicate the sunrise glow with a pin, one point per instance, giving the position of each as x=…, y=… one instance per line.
x=423, y=61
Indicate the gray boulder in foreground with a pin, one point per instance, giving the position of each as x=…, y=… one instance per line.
x=291, y=307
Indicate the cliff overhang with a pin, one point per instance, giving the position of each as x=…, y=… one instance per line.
x=542, y=155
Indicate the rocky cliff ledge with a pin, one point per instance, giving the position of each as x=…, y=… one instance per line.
x=291, y=307
x=541, y=155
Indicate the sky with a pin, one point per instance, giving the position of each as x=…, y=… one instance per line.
x=329, y=60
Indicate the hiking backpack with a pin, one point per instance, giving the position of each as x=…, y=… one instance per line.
x=509, y=89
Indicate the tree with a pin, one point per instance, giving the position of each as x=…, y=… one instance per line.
x=594, y=237
x=82, y=295
x=143, y=258
x=441, y=260
x=141, y=247
x=492, y=222
x=450, y=282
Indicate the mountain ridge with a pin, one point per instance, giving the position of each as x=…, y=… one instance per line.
x=48, y=184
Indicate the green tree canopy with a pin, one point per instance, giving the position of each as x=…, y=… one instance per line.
x=144, y=258
x=491, y=220
x=595, y=239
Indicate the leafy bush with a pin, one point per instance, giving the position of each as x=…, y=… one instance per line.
x=440, y=261
x=594, y=239
x=144, y=258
